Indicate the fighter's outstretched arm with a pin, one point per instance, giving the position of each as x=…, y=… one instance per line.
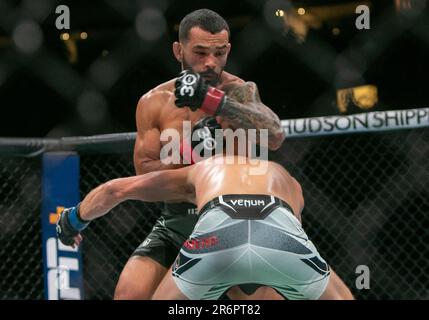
x=166, y=185
x=172, y=185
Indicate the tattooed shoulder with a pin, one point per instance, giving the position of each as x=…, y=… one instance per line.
x=244, y=92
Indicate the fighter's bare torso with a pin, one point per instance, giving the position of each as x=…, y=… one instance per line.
x=156, y=112
x=222, y=175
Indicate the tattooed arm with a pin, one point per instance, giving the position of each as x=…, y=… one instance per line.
x=237, y=104
x=243, y=109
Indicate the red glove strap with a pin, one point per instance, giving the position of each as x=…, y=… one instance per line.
x=212, y=101
x=186, y=152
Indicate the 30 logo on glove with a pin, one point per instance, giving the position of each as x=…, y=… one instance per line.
x=192, y=91
x=204, y=134
x=187, y=88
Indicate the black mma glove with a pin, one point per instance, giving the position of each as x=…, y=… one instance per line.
x=69, y=225
x=193, y=92
x=203, y=142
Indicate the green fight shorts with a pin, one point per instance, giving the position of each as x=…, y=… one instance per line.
x=171, y=230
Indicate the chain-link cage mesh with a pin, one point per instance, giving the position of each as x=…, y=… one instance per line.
x=21, y=271
x=366, y=203
x=110, y=242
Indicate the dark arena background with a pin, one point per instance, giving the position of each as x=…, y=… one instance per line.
x=364, y=171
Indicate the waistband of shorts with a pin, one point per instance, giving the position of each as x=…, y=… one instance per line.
x=219, y=201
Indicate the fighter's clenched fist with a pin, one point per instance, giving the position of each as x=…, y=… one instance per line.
x=193, y=92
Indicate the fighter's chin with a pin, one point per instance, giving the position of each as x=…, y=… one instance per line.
x=212, y=81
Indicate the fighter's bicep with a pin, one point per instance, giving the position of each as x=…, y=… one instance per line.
x=150, y=143
x=147, y=147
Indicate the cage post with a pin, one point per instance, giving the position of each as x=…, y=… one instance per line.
x=62, y=265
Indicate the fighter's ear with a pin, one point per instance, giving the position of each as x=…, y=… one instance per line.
x=178, y=51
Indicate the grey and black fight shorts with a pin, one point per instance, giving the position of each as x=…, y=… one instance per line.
x=168, y=234
x=249, y=240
